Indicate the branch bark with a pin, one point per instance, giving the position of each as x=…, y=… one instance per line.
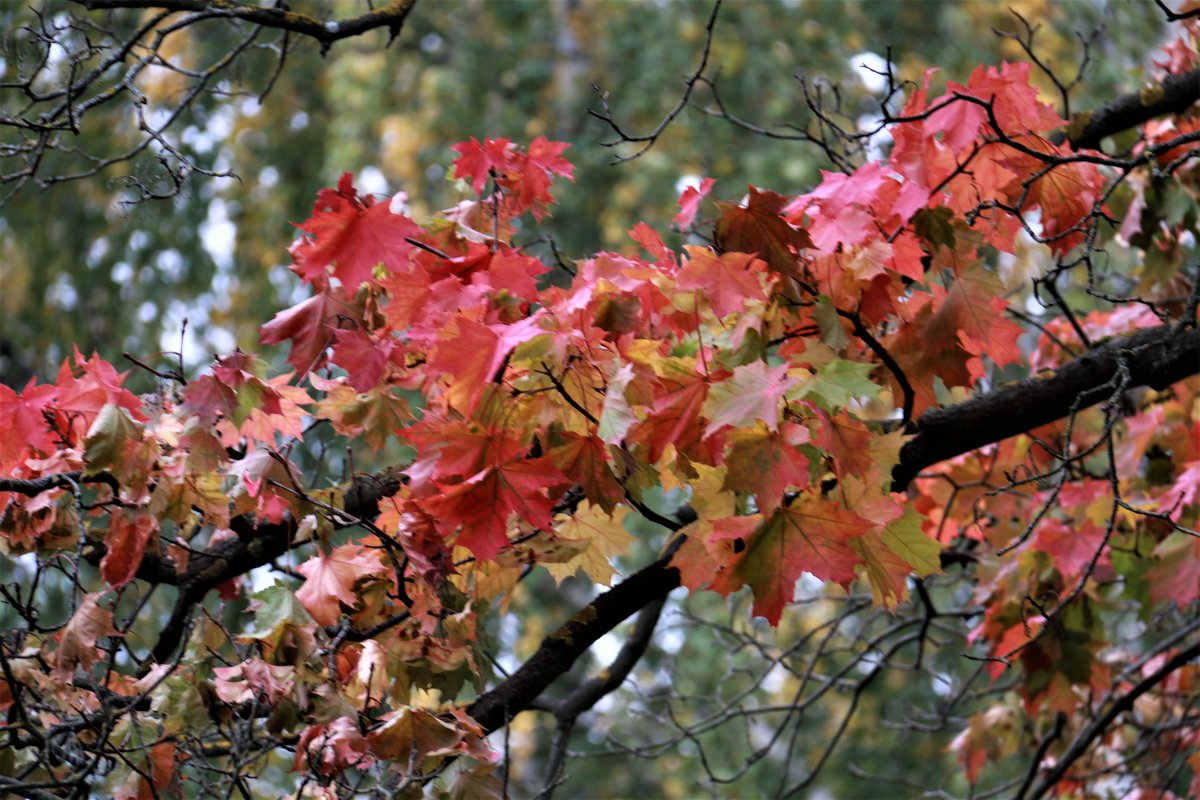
x=568, y=709
x=1155, y=357
x=391, y=16
x=559, y=650
x=254, y=546
x=1172, y=95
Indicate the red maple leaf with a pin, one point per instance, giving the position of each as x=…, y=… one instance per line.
x=727, y=281
x=329, y=581
x=80, y=398
x=947, y=332
x=471, y=355
x=844, y=209
x=232, y=391
x=450, y=449
x=309, y=326
x=417, y=533
x=77, y=641
x=548, y=155
x=1173, y=575
x=758, y=227
x=674, y=419
x=330, y=748
x=364, y=358
x=408, y=292
x=511, y=270
x=958, y=120
x=907, y=255
x=128, y=537
x=1013, y=98
x=767, y=463
x=1072, y=546
x=847, y=439
x=703, y=554
x=350, y=235
x=479, y=507
x=1066, y=193
x=648, y=238
x=477, y=160
x=529, y=174
x=585, y=459
x=22, y=424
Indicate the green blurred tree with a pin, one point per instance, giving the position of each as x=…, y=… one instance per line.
x=249, y=139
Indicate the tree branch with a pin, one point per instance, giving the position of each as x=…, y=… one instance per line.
x=1099, y=725
x=1172, y=95
x=391, y=16
x=56, y=480
x=567, y=710
x=1155, y=357
x=1173, y=16
x=254, y=546
x=558, y=651
x=648, y=140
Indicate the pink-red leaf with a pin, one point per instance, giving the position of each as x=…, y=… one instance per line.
x=689, y=203
x=476, y=161
x=309, y=326
x=480, y=506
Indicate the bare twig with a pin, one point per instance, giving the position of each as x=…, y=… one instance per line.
x=648, y=140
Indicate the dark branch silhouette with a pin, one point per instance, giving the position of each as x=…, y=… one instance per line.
x=1155, y=357
x=1172, y=95
x=391, y=16
x=107, y=51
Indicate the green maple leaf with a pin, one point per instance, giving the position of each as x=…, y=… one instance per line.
x=751, y=394
x=277, y=610
x=837, y=383
x=109, y=438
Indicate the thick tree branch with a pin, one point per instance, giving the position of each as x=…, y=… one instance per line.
x=56, y=480
x=559, y=650
x=1173, y=16
x=1172, y=95
x=567, y=709
x=391, y=16
x=254, y=546
x=1155, y=357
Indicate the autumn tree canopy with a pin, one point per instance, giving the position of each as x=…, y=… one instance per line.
x=934, y=418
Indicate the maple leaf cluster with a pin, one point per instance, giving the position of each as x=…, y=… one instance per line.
x=770, y=380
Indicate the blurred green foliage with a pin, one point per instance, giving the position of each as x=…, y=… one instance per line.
x=81, y=266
